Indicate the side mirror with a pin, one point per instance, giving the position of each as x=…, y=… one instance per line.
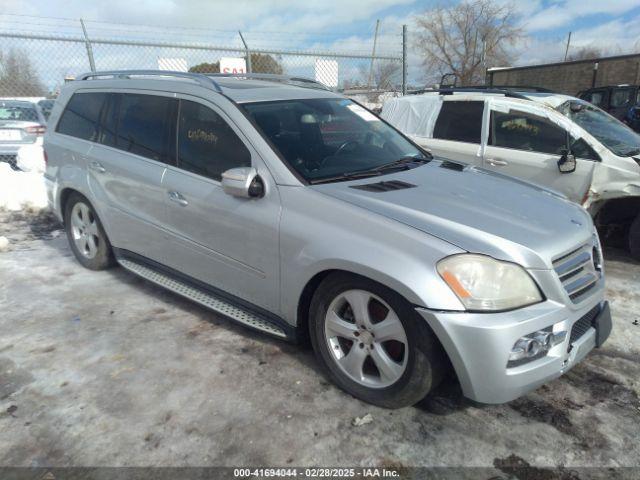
x=243, y=182
x=567, y=162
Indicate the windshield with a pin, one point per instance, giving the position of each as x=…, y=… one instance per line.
x=18, y=112
x=330, y=138
x=612, y=133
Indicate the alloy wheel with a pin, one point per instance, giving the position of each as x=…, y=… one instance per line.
x=84, y=230
x=366, y=339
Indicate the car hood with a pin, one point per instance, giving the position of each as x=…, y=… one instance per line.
x=476, y=210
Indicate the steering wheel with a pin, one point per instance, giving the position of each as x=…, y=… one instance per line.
x=343, y=147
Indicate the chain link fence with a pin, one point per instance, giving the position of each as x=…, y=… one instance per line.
x=36, y=64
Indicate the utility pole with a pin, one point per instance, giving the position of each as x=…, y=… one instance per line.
x=87, y=44
x=404, y=59
x=248, y=52
x=566, y=51
x=373, y=54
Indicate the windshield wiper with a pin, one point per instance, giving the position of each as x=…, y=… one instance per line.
x=403, y=163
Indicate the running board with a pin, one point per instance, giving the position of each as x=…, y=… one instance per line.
x=205, y=298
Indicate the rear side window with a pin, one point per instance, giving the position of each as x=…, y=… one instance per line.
x=460, y=122
x=206, y=143
x=145, y=126
x=81, y=116
x=595, y=98
x=620, y=97
x=523, y=131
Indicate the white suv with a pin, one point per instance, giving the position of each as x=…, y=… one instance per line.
x=549, y=139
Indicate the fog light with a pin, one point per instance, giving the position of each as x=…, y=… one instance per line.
x=533, y=346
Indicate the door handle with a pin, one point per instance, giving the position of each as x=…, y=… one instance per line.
x=97, y=167
x=497, y=162
x=178, y=198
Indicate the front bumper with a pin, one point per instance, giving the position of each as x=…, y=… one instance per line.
x=478, y=345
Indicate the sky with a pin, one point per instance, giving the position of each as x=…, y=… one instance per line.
x=346, y=25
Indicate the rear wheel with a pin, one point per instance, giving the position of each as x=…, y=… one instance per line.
x=634, y=238
x=87, y=238
x=372, y=343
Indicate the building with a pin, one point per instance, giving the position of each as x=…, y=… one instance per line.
x=571, y=77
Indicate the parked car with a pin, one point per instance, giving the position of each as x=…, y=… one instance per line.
x=553, y=140
x=615, y=100
x=295, y=211
x=21, y=123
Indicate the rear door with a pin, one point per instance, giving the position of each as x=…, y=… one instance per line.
x=226, y=242
x=528, y=146
x=135, y=143
x=457, y=133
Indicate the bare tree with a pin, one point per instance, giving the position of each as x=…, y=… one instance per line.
x=467, y=38
x=386, y=75
x=585, y=53
x=18, y=78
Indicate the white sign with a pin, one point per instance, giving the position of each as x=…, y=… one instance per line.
x=233, y=65
x=327, y=72
x=173, y=64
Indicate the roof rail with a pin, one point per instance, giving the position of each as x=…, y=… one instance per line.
x=292, y=80
x=451, y=91
x=204, y=80
x=515, y=88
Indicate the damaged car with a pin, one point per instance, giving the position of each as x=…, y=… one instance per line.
x=553, y=140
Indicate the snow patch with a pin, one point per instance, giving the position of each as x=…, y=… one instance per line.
x=30, y=158
x=19, y=190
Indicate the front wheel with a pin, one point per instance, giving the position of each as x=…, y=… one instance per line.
x=634, y=238
x=372, y=343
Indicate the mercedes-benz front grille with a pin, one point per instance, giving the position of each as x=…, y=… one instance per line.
x=579, y=270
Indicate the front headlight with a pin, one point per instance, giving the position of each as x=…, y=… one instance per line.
x=483, y=283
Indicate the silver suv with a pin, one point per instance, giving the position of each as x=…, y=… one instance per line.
x=295, y=211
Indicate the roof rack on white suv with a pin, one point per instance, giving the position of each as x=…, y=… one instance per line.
x=507, y=91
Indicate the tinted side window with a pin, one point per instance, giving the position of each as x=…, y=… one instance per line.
x=522, y=131
x=206, y=143
x=595, y=98
x=620, y=97
x=460, y=122
x=81, y=116
x=109, y=124
x=145, y=126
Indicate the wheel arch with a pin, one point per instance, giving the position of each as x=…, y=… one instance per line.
x=618, y=211
x=308, y=291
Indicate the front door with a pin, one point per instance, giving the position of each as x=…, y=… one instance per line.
x=528, y=146
x=227, y=242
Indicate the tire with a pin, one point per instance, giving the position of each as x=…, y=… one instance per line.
x=634, y=238
x=87, y=238
x=414, y=362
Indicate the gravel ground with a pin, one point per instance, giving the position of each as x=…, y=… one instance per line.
x=104, y=369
